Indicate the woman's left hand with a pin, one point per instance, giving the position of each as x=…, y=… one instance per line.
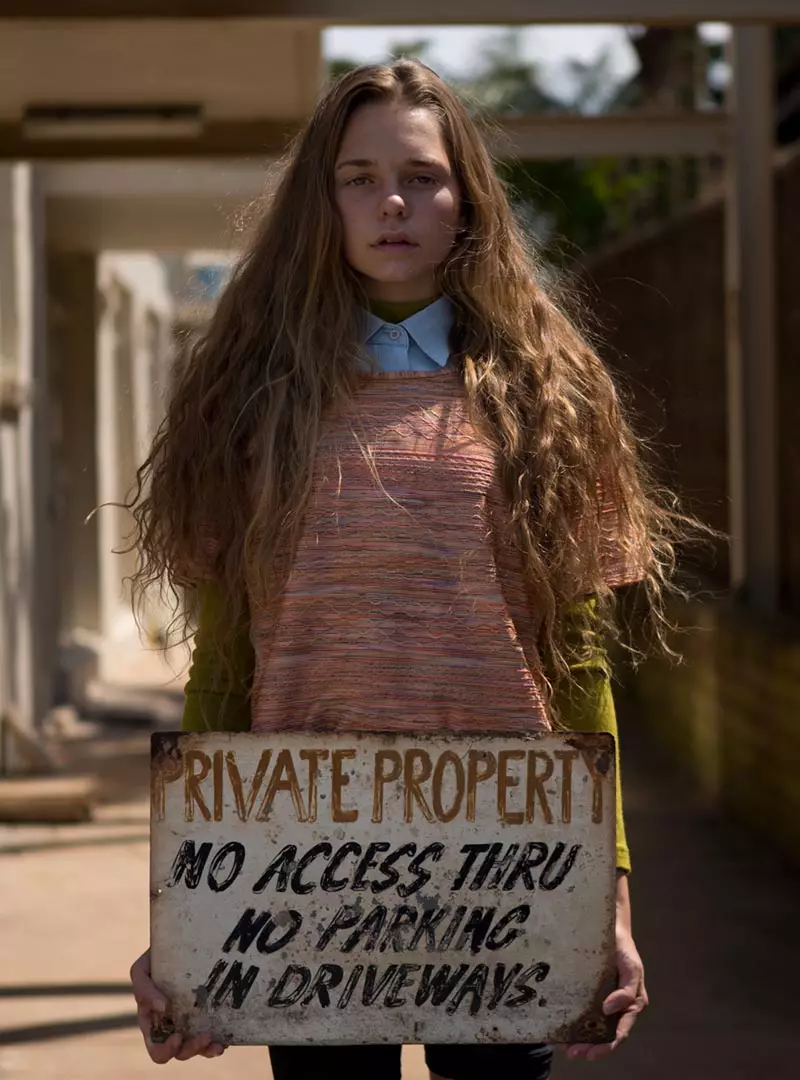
x=630, y=997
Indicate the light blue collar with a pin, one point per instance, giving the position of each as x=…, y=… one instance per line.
x=430, y=329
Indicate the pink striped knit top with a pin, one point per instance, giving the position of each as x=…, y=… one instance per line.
x=404, y=608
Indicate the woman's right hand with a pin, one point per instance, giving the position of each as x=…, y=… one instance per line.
x=149, y=1000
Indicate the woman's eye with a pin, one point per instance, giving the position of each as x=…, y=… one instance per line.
x=426, y=179
x=356, y=181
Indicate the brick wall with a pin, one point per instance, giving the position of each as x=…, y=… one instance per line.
x=729, y=717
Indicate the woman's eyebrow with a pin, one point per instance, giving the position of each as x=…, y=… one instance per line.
x=366, y=163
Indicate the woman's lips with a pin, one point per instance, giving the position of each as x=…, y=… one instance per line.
x=395, y=245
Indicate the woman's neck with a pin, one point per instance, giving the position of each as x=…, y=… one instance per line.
x=395, y=311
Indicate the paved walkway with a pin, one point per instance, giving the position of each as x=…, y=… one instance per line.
x=715, y=919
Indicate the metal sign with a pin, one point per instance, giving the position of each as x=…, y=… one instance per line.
x=384, y=888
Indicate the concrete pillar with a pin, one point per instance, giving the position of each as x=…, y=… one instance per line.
x=27, y=662
x=107, y=450
x=751, y=333
x=73, y=288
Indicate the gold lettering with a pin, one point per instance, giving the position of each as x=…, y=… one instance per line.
x=193, y=782
x=412, y=781
x=449, y=757
x=566, y=757
x=383, y=778
x=218, y=785
x=475, y=776
x=245, y=809
x=535, y=785
x=168, y=769
x=277, y=782
x=313, y=757
x=504, y=782
x=597, y=788
x=340, y=780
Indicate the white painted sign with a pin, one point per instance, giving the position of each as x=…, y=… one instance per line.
x=360, y=888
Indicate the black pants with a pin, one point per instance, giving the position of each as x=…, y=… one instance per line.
x=487, y=1061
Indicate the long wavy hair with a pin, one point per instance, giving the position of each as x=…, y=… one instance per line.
x=223, y=491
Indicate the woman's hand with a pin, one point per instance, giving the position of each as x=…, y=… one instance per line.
x=630, y=997
x=149, y=1000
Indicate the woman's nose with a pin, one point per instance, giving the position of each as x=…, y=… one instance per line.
x=393, y=205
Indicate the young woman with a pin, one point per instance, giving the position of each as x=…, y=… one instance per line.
x=398, y=484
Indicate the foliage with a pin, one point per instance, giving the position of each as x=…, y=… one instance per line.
x=574, y=205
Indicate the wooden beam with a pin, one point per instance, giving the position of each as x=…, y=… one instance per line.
x=444, y=12
x=751, y=329
x=544, y=137
x=627, y=135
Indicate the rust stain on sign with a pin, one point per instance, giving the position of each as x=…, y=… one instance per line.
x=384, y=888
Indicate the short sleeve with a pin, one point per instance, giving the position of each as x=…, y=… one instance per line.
x=197, y=569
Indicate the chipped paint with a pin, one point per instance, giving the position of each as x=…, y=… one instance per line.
x=376, y=888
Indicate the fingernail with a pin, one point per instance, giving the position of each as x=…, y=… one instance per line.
x=160, y=1005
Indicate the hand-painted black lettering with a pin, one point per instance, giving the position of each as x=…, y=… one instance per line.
x=475, y=929
x=401, y=981
x=202, y=993
x=236, y=985
x=327, y=977
x=367, y=863
x=482, y=872
x=190, y=862
x=303, y=888
x=501, y=866
x=235, y=849
x=247, y=930
x=370, y=929
x=538, y=972
x=350, y=986
x=387, y=867
x=438, y=982
x=266, y=944
x=502, y=982
x=372, y=989
x=282, y=866
x=282, y=996
x=517, y=914
x=532, y=855
x=472, y=851
x=343, y=919
x=550, y=880
x=327, y=881
x=432, y=852
x=402, y=918
x=474, y=984
x=450, y=932
x=427, y=926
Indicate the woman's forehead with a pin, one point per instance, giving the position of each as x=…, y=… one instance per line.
x=379, y=132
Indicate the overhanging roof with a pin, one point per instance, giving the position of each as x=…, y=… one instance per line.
x=535, y=137
x=423, y=11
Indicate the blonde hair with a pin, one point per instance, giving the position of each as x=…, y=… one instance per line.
x=233, y=459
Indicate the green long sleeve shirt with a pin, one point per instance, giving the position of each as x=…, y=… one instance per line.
x=218, y=695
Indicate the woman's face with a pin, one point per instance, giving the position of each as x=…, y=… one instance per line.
x=398, y=200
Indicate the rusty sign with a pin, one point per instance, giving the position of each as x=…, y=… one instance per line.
x=360, y=888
